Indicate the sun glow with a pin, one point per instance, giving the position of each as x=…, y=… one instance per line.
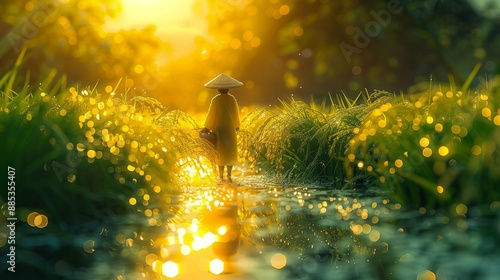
x=173, y=20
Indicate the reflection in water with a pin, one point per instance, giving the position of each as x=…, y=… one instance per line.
x=316, y=228
x=262, y=231
x=224, y=219
x=259, y=230
x=270, y=232
x=203, y=237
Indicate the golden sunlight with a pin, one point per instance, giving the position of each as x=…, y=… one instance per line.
x=173, y=20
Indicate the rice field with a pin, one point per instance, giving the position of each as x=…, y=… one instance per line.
x=383, y=186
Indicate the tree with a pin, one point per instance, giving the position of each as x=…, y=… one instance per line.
x=316, y=47
x=69, y=37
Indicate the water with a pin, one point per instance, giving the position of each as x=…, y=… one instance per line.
x=261, y=230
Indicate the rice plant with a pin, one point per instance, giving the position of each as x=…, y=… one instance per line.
x=97, y=175
x=433, y=150
x=284, y=142
x=308, y=141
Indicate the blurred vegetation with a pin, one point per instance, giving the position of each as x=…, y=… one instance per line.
x=103, y=172
x=96, y=177
x=430, y=150
x=277, y=48
x=433, y=150
x=99, y=167
x=434, y=155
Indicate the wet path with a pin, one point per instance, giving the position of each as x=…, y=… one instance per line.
x=258, y=230
x=262, y=230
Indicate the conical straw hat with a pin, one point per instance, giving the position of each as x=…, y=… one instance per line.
x=223, y=81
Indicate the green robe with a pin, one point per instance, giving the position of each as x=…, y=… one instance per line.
x=223, y=119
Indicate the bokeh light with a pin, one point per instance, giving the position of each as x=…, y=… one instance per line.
x=216, y=266
x=278, y=261
x=170, y=269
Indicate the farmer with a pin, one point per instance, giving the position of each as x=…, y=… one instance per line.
x=223, y=120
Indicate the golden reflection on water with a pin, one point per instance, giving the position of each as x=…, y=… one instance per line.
x=221, y=226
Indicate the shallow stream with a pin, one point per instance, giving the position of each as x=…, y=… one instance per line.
x=256, y=229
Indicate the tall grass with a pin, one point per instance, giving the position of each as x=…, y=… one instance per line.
x=280, y=140
x=434, y=150
x=430, y=150
x=307, y=141
x=103, y=172
x=99, y=170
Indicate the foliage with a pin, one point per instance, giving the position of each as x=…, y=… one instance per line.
x=102, y=173
x=430, y=151
x=308, y=141
x=285, y=141
x=391, y=44
x=277, y=48
x=436, y=155
x=437, y=150
x=69, y=37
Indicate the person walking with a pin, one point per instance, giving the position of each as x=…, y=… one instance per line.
x=224, y=121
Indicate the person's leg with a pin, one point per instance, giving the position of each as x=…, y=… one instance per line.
x=229, y=170
x=221, y=172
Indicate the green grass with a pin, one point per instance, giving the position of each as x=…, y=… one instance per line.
x=435, y=155
x=429, y=150
x=102, y=170
x=307, y=141
x=433, y=151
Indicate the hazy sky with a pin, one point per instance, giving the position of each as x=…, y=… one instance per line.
x=175, y=21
